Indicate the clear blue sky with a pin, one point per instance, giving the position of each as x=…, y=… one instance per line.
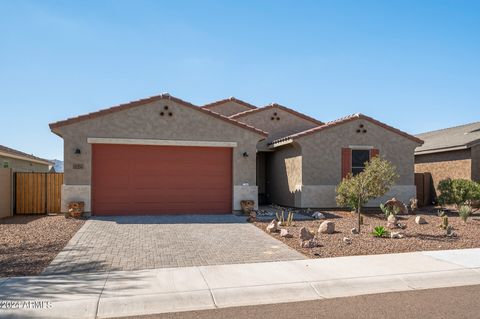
x=412, y=64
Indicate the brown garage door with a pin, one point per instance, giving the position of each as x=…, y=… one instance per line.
x=142, y=180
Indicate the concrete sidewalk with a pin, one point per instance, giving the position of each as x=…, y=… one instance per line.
x=122, y=293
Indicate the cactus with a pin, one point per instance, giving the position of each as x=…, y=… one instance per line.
x=444, y=224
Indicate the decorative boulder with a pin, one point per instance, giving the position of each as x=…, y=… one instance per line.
x=75, y=209
x=413, y=204
x=327, y=227
x=253, y=217
x=247, y=206
x=272, y=227
x=354, y=231
x=396, y=235
x=391, y=221
x=347, y=240
x=318, y=215
x=420, y=220
x=403, y=210
x=306, y=234
x=284, y=233
x=311, y=243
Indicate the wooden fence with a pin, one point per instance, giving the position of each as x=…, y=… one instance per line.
x=425, y=192
x=38, y=193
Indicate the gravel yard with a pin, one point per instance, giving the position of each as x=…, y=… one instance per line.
x=29, y=243
x=417, y=237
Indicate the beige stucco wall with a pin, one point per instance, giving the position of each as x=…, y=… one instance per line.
x=321, y=165
x=454, y=164
x=145, y=122
x=229, y=108
x=5, y=192
x=285, y=175
x=288, y=123
x=19, y=165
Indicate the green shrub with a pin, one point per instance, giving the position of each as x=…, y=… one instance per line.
x=458, y=191
x=379, y=231
x=464, y=212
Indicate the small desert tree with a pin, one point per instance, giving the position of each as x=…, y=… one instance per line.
x=376, y=180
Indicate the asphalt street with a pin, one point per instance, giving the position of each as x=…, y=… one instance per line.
x=456, y=302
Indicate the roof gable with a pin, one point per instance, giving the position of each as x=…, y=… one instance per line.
x=343, y=120
x=229, y=107
x=281, y=107
x=142, y=102
x=247, y=106
x=457, y=137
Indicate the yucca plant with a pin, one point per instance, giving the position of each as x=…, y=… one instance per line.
x=379, y=231
x=464, y=212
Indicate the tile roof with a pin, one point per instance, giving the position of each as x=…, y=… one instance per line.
x=275, y=105
x=11, y=151
x=342, y=121
x=230, y=99
x=457, y=137
x=164, y=96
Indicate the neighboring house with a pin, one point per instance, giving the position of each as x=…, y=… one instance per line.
x=22, y=162
x=15, y=161
x=450, y=153
x=162, y=155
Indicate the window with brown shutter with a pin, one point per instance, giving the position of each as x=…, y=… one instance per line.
x=346, y=161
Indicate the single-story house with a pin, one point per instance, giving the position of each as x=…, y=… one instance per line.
x=450, y=153
x=22, y=162
x=12, y=161
x=163, y=155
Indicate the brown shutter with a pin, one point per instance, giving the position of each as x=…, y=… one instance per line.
x=374, y=152
x=346, y=162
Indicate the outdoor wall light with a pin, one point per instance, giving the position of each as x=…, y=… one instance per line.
x=245, y=154
x=78, y=151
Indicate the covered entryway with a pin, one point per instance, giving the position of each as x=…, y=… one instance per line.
x=151, y=180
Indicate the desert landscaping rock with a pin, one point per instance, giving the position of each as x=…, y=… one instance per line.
x=272, y=227
x=403, y=210
x=391, y=221
x=29, y=243
x=318, y=215
x=327, y=227
x=312, y=243
x=347, y=240
x=284, y=233
x=354, y=231
x=415, y=237
x=396, y=235
x=420, y=220
x=305, y=234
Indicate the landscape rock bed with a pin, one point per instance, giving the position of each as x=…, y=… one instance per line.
x=29, y=243
x=416, y=237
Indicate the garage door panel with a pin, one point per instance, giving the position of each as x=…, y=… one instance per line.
x=134, y=179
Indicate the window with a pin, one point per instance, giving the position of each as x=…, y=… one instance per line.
x=6, y=164
x=359, y=158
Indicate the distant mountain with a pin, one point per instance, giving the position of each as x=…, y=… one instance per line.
x=58, y=166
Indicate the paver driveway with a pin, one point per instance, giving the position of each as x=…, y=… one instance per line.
x=142, y=242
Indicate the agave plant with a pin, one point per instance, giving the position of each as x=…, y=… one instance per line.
x=379, y=231
x=464, y=212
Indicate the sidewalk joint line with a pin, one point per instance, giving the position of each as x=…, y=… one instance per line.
x=100, y=295
x=209, y=289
